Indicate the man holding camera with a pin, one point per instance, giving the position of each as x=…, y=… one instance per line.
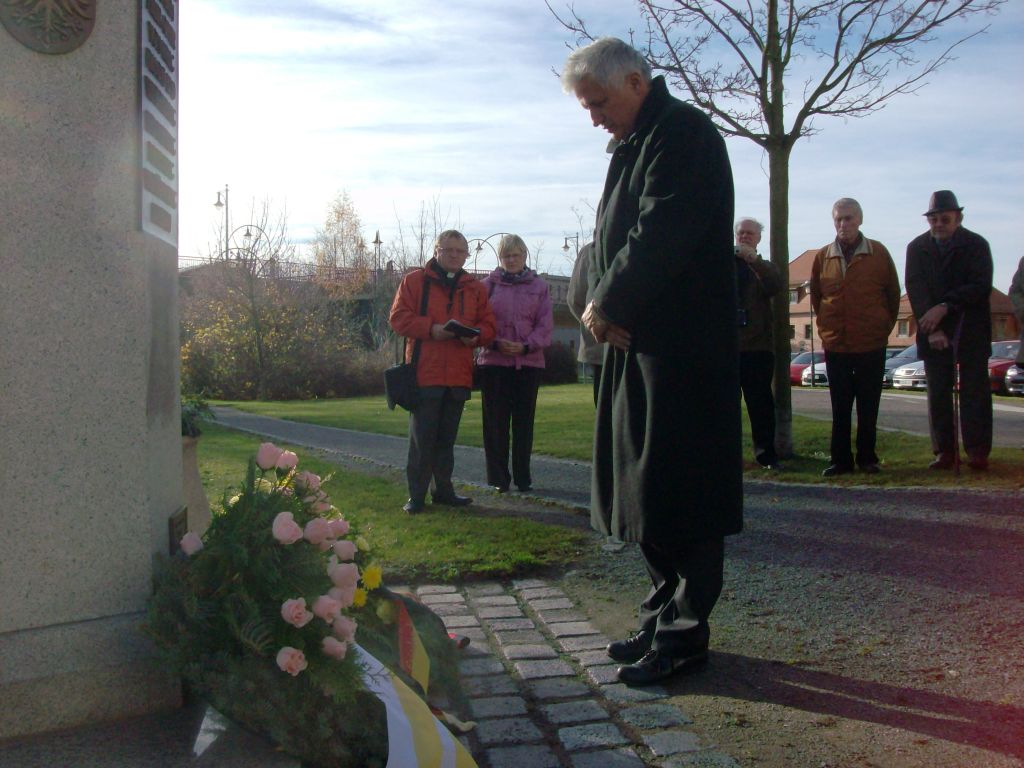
x=855, y=292
x=757, y=281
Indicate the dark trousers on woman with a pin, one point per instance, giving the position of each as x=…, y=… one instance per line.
x=855, y=377
x=433, y=427
x=975, y=403
x=686, y=582
x=509, y=399
x=756, y=369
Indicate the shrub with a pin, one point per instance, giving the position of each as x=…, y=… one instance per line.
x=560, y=365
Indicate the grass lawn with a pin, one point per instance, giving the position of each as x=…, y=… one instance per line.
x=444, y=545
x=565, y=422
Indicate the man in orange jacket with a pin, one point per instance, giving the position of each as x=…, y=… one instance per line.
x=445, y=366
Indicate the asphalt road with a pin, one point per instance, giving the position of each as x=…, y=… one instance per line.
x=908, y=412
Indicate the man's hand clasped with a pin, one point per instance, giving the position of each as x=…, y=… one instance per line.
x=930, y=320
x=602, y=330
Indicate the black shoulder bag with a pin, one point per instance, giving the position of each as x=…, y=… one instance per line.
x=400, y=385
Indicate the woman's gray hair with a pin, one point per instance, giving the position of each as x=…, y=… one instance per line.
x=512, y=243
x=607, y=61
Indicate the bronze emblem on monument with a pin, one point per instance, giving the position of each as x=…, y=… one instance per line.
x=49, y=26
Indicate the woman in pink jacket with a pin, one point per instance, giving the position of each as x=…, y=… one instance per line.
x=509, y=368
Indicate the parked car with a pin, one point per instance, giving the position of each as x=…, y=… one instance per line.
x=801, y=361
x=1004, y=353
x=820, y=377
x=1014, y=380
x=910, y=376
x=903, y=357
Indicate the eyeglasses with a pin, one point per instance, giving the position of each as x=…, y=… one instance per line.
x=453, y=251
x=941, y=218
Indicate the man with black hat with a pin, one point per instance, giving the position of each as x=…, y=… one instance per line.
x=949, y=282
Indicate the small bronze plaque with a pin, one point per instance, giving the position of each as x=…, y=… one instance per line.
x=49, y=26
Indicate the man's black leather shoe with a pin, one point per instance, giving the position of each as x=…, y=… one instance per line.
x=501, y=488
x=412, y=506
x=452, y=501
x=631, y=649
x=942, y=461
x=657, y=665
x=833, y=470
x=870, y=469
x=977, y=462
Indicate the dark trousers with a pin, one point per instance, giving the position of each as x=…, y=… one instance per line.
x=433, y=427
x=975, y=404
x=855, y=377
x=686, y=582
x=756, y=369
x=509, y=404
x=595, y=371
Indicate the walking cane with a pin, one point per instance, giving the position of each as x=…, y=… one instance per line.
x=956, y=395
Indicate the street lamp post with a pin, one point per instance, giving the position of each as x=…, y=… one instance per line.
x=480, y=242
x=576, y=239
x=810, y=306
x=227, y=221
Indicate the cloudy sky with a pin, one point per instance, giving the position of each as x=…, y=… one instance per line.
x=409, y=102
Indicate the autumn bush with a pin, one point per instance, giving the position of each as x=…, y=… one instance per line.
x=560, y=365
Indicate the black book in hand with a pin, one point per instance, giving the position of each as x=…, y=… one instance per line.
x=460, y=330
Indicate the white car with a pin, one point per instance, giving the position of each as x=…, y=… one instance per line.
x=910, y=376
x=820, y=377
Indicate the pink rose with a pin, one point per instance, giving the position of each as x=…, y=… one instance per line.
x=291, y=660
x=285, y=529
x=344, y=595
x=287, y=461
x=307, y=482
x=344, y=628
x=295, y=613
x=267, y=456
x=339, y=528
x=345, y=549
x=327, y=608
x=321, y=507
x=336, y=649
x=191, y=543
x=317, y=530
x=344, y=574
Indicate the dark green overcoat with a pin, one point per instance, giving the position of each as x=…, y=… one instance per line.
x=667, y=444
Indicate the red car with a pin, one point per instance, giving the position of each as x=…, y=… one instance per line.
x=1003, y=355
x=801, y=361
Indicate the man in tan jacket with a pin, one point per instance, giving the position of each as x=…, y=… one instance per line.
x=855, y=292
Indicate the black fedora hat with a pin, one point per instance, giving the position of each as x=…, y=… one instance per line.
x=943, y=200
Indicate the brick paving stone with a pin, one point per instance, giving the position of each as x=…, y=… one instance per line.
x=451, y=609
x=491, y=600
x=582, y=643
x=528, y=583
x=623, y=694
x=498, y=706
x=604, y=674
x=475, y=650
x=531, y=670
x=503, y=625
x=551, y=604
x=518, y=637
x=577, y=737
x=473, y=633
x=664, y=743
x=488, y=588
x=500, y=612
x=461, y=621
x=701, y=760
x=560, y=617
x=527, y=756
x=607, y=758
x=654, y=716
x=558, y=688
x=532, y=594
x=435, y=589
x=581, y=711
x=442, y=598
x=592, y=658
x=535, y=651
x=491, y=685
x=484, y=665
x=507, y=730
x=572, y=628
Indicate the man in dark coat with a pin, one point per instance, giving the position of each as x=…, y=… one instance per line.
x=667, y=445
x=949, y=283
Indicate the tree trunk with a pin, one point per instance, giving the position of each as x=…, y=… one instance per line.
x=778, y=211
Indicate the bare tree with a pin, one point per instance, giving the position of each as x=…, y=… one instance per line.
x=340, y=244
x=849, y=57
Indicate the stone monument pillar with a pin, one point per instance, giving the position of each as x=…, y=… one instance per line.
x=91, y=471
